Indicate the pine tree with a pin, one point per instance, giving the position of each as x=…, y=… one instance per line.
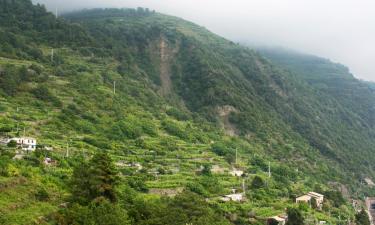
x=103, y=176
x=80, y=183
x=95, y=180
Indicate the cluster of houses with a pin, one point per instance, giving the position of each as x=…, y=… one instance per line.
x=27, y=144
x=307, y=198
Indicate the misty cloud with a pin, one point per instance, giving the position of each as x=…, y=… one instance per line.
x=341, y=30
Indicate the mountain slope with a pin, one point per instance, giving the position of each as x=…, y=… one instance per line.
x=334, y=80
x=167, y=98
x=209, y=73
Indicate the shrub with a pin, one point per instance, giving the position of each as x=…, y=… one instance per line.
x=12, y=171
x=138, y=183
x=179, y=115
x=335, y=197
x=98, y=213
x=362, y=218
x=12, y=144
x=257, y=183
x=42, y=194
x=206, y=170
x=294, y=217
x=42, y=93
x=174, y=128
x=36, y=68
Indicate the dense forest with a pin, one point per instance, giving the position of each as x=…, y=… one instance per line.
x=142, y=118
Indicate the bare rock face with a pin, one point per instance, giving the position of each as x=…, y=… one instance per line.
x=224, y=112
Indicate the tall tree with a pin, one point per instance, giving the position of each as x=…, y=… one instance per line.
x=104, y=178
x=95, y=180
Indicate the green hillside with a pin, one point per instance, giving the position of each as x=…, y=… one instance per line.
x=176, y=108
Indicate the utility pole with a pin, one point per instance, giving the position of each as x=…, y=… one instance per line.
x=269, y=169
x=243, y=186
x=24, y=131
x=236, y=155
x=52, y=55
x=67, y=150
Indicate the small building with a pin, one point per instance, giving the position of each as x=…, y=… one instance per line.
x=369, y=182
x=280, y=220
x=319, y=198
x=236, y=173
x=26, y=143
x=233, y=197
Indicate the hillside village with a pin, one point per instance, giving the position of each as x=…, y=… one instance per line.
x=132, y=117
x=24, y=146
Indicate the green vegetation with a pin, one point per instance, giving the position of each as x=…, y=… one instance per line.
x=187, y=108
x=294, y=217
x=362, y=218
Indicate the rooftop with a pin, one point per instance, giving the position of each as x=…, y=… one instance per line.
x=314, y=194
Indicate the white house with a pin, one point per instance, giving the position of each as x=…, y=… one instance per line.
x=26, y=143
x=233, y=197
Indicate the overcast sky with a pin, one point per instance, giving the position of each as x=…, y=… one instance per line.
x=341, y=30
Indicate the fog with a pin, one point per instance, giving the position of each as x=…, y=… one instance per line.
x=341, y=30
